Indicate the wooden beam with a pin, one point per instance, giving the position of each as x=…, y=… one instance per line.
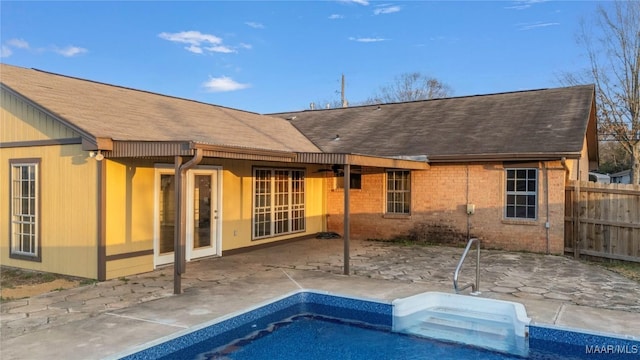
x=177, y=279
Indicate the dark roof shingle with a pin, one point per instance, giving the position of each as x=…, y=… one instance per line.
x=525, y=122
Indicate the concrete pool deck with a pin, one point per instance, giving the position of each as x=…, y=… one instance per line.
x=97, y=321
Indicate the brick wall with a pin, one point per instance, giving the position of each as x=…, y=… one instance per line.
x=439, y=201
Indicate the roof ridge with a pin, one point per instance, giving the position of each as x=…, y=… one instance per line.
x=137, y=90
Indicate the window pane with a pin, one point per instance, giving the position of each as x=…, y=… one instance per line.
x=24, y=237
x=283, y=210
x=521, y=193
x=398, y=192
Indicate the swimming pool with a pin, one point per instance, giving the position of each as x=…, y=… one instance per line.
x=315, y=323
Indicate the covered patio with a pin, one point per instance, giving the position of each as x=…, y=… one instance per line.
x=188, y=155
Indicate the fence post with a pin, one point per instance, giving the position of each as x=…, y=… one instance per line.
x=576, y=219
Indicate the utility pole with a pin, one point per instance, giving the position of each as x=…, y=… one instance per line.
x=343, y=101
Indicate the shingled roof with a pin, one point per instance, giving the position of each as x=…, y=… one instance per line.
x=534, y=124
x=101, y=110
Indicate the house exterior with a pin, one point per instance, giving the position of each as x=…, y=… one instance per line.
x=499, y=164
x=101, y=181
x=621, y=177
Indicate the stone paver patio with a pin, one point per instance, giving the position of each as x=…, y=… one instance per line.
x=524, y=277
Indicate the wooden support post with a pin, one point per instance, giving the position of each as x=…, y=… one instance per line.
x=177, y=271
x=576, y=220
x=347, y=187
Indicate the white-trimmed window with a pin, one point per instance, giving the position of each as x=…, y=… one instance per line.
x=25, y=198
x=522, y=194
x=278, y=202
x=398, y=191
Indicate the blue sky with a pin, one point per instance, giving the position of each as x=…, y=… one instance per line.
x=268, y=56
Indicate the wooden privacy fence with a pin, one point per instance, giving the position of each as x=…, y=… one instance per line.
x=602, y=220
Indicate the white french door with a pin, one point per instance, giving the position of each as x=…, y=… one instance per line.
x=203, y=218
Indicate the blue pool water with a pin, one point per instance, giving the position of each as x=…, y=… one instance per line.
x=313, y=325
x=310, y=337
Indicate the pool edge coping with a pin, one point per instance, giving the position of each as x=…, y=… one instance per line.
x=163, y=339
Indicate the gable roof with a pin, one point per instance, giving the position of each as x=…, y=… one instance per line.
x=535, y=124
x=103, y=111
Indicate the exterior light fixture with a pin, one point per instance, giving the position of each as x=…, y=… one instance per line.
x=98, y=156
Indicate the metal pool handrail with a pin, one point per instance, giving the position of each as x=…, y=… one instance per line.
x=475, y=288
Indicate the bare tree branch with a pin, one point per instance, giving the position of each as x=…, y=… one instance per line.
x=612, y=46
x=410, y=87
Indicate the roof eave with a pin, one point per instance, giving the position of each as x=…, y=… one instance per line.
x=360, y=159
x=502, y=157
x=149, y=149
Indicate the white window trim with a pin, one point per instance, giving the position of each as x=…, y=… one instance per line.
x=272, y=210
x=525, y=193
x=386, y=191
x=15, y=247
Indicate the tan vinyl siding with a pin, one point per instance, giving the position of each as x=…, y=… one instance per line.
x=68, y=210
x=131, y=212
x=129, y=215
x=584, y=163
x=22, y=122
x=126, y=267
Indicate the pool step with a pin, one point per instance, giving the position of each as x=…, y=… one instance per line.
x=471, y=331
x=493, y=324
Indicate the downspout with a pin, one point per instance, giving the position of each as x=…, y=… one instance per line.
x=101, y=175
x=547, y=225
x=468, y=213
x=180, y=247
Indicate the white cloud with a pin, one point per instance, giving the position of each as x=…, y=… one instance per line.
x=254, y=25
x=18, y=43
x=5, y=51
x=198, y=42
x=221, y=49
x=530, y=26
x=386, y=10
x=70, y=51
x=194, y=49
x=191, y=37
x=223, y=83
x=523, y=4
x=335, y=16
x=367, y=40
x=359, y=2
